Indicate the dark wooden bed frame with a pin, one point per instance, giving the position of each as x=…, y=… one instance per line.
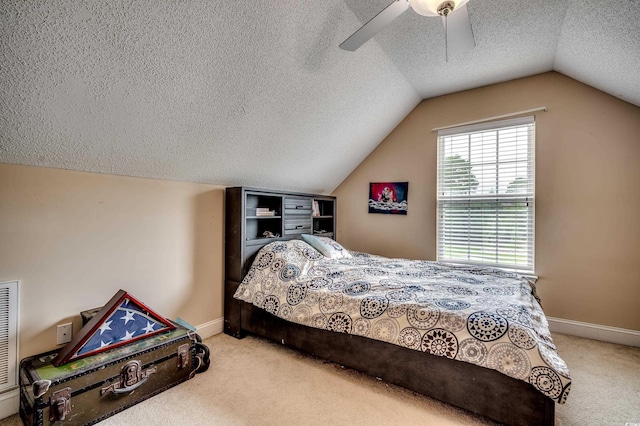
x=480, y=390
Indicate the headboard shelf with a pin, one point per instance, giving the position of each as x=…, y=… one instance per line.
x=256, y=217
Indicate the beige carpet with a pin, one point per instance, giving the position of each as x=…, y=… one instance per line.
x=255, y=382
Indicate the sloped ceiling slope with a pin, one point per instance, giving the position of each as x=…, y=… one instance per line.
x=231, y=93
x=600, y=46
x=258, y=93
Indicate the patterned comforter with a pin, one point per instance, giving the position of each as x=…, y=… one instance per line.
x=479, y=315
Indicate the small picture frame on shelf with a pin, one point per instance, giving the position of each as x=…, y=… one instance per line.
x=316, y=209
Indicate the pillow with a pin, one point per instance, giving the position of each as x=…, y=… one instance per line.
x=328, y=247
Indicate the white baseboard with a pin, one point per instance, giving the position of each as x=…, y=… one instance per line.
x=621, y=336
x=210, y=328
x=9, y=403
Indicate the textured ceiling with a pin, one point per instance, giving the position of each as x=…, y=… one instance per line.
x=253, y=93
x=593, y=41
x=258, y=93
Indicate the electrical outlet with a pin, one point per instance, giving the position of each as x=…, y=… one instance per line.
x=63, y=333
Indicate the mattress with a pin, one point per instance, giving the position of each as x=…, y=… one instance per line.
x=483, y=316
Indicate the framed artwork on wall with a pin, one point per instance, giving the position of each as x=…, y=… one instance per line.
x=388, y=197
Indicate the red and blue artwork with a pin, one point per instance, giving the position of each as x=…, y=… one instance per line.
x=388, y=197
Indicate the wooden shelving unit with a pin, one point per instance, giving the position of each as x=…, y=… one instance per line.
x=255, y=217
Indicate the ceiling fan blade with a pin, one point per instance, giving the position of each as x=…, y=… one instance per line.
x=459, y=33
x=376, y=24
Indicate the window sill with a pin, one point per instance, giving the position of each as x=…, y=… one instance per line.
x=528, y=275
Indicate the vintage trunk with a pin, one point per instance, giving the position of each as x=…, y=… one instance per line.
x=90, y=389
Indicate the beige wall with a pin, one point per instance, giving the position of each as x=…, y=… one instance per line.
x=74, y=239
x=587, y=192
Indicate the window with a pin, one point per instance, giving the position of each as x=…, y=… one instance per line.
x=486, y=188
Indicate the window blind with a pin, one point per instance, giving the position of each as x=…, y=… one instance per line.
x=486, y=194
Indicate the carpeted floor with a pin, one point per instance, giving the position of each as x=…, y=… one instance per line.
x=255, y=382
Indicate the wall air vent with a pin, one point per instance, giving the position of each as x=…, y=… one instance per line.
x=8, y=335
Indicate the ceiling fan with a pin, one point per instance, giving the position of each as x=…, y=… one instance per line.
x=459, y=35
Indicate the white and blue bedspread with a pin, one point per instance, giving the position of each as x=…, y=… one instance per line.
x=478, y=315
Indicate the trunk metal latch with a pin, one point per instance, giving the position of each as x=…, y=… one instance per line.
x=183, y=355
x=131, y=378
x=60, y=404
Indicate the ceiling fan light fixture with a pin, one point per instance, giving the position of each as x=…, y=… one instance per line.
x=436, y=7
x=457, y=26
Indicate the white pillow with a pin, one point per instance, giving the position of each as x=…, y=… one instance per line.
x=327, y=246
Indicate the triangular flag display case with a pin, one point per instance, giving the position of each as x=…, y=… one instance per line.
x=122, y=321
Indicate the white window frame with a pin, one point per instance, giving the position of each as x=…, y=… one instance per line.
x=482, y=247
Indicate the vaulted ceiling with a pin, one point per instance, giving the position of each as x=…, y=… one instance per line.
x=258, y=93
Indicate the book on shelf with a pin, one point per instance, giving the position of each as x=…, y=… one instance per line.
x=316, y=209
x=265, y=213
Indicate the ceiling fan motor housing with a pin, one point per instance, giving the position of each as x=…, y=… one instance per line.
x=445, y=8
x=436, y=7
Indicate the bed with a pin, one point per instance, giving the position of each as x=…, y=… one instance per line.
x=470, y=336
